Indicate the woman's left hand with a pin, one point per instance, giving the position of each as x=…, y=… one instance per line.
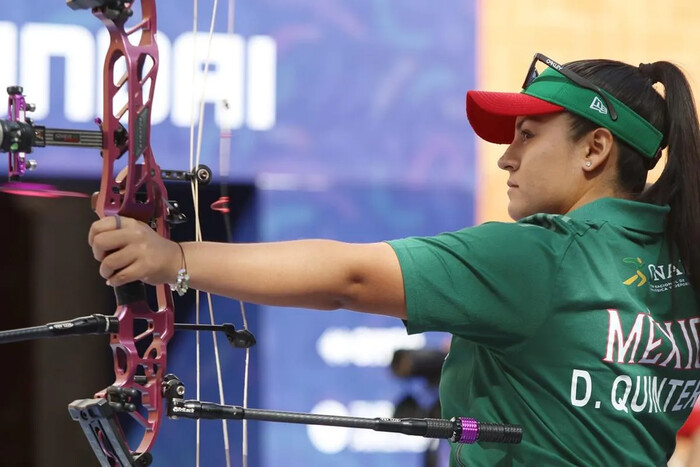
x=130, y=250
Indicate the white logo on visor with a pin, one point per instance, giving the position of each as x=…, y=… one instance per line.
x=598, y=105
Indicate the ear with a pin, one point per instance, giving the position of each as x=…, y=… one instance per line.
x=597, y=149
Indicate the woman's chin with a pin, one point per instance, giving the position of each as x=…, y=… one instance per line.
x=516, y=212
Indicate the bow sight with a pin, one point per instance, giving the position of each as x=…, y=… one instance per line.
x=19, y=135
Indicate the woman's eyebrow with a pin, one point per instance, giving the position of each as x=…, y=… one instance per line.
x=534, y=118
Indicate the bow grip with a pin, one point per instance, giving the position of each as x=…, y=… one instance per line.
x=132, y=292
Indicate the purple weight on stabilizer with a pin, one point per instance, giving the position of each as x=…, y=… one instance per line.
x=470, y=430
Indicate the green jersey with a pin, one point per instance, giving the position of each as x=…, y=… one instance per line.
x=579, y=327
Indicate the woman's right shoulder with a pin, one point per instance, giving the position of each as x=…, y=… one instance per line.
x=547, y=227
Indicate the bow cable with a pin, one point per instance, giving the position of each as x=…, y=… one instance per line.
x=225, y=155
x=198, y=226
x=194, y=187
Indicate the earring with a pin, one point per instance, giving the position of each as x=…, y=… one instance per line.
x=588, y=163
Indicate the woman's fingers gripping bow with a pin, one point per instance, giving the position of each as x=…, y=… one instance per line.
x=130, y=250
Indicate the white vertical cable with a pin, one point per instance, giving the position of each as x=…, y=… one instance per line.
x=195, y=18
x=244, y=443
x=198, y=233
x=245, y=391
x=198, y=226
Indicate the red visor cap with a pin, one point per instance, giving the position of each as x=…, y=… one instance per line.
x=492, y=114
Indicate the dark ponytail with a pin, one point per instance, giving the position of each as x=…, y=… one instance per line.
x=676, y=117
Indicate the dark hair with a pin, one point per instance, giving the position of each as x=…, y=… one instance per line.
x=675, y=116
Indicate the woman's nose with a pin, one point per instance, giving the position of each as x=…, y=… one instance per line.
x=507, y=161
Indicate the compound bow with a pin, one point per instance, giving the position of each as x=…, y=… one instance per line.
x=142, y=391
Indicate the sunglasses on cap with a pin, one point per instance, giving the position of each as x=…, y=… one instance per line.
x=532, y=74
x=556, y=88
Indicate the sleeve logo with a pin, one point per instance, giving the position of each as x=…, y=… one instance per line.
x=660, y=277
x=639, y=275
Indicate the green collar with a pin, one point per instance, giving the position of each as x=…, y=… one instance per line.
x=635, y=215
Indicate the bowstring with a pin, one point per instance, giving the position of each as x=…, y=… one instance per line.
x=195, y=18
x=198, y=226
x=224, y=162
x=195, y=200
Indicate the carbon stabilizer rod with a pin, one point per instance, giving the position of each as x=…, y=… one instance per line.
x=93, y=324
x=458, y=430
x=102, y=324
